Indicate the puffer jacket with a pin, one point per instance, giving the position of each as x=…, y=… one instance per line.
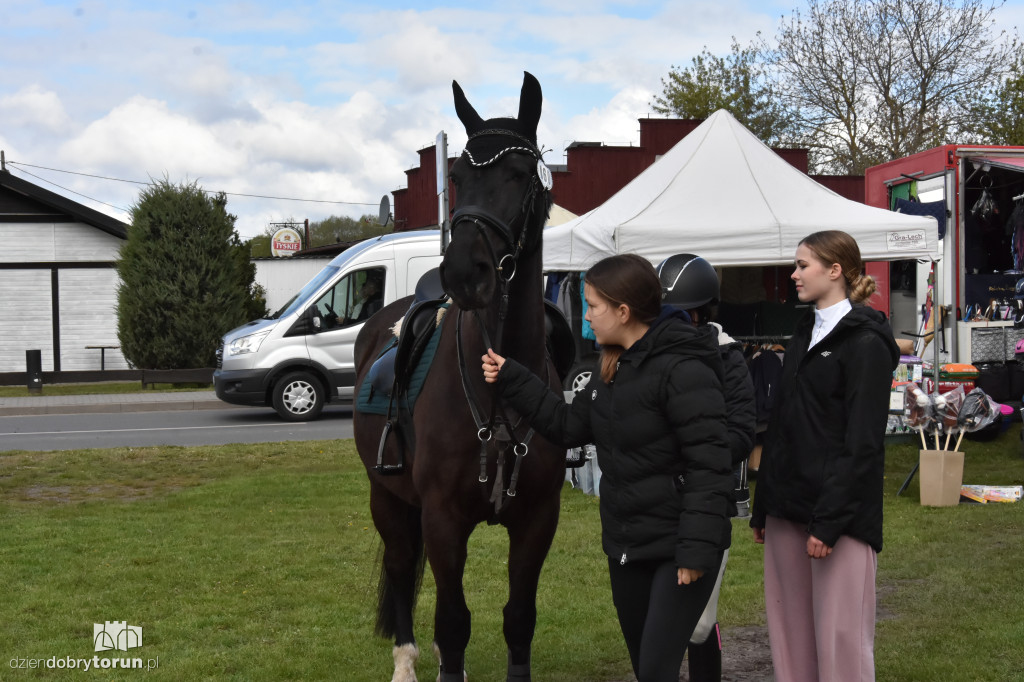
x=824, y=455
x=660, y=431
x=741, y=406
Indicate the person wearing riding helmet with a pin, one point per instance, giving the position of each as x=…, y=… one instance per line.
x=691, y=284
x=655, y=410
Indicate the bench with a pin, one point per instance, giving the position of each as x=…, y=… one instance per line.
x=103, y=354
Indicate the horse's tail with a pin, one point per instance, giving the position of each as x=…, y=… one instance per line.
x=392, y=593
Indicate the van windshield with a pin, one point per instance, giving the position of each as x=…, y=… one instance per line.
x=300, y=299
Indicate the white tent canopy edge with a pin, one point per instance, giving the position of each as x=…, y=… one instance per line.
x=723, y=194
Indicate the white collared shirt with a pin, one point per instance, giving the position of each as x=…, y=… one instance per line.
x=826, y=319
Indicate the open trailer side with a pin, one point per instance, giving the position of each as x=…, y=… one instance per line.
x=977, y=194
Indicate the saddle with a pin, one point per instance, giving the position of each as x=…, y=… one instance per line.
x=401, y=368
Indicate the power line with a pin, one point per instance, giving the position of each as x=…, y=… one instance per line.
x=66, y=189
x=208, y=191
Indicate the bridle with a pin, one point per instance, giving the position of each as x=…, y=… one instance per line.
x=497, y=425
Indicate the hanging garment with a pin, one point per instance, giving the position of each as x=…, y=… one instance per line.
x=587, y=332
x=1015, y=224
x=935, y=209
x=766, y=374
x=552, y=287
x=985, y=208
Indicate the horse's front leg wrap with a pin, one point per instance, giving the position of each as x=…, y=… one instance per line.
x=405, y=662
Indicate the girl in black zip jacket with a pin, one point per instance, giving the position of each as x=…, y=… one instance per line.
x=818, y=499
x=657, y=416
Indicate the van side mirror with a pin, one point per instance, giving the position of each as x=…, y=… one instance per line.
x=307, y=323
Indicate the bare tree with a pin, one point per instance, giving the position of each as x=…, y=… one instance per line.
x=998, y=113
x=873, y=80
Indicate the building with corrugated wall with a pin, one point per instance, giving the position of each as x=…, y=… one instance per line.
x=58, y=280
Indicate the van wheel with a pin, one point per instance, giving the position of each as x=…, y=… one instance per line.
x=298, y=396
x=578, y=377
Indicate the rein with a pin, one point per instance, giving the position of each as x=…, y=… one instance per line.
x=497, y=424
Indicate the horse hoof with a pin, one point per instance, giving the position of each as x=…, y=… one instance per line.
x=451, y=677
x=518, y=673
x=405, y=662
x=447, y=677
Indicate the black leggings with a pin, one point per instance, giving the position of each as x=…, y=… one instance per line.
x=657, y=615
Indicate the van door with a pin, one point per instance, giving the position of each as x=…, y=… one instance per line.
x=417, y=267
x=342, y=310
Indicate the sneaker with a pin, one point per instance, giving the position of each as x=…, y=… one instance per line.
x=743, y=509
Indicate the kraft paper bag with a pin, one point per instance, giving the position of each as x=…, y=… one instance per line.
x=941, y=474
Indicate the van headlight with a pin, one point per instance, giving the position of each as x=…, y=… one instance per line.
x=247, y=344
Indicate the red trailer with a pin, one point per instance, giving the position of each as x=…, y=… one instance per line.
x=977, y=194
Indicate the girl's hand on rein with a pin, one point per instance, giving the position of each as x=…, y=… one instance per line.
x=492, y=363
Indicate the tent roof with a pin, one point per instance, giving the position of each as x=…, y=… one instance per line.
x=559, y=215
x=723, y=194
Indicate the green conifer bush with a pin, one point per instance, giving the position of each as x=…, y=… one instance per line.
x=185, y=280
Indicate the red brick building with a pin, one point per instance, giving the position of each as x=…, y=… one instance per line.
x=592, y=173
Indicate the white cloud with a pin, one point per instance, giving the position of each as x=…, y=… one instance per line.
x=145, y=135
x=35, y=108
x=613, y=124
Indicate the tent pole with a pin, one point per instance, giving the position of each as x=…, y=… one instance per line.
x=938, y=323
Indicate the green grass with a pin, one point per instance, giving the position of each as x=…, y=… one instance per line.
x=101, y=388
x=260, y=563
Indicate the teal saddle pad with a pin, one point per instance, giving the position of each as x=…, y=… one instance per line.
x=370, y=401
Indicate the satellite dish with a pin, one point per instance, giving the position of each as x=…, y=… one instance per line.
x=385, y=211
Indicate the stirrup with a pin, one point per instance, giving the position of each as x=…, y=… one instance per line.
x=388, y=469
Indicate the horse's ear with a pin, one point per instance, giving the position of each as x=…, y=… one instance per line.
x=530, y=99
x=467, y=114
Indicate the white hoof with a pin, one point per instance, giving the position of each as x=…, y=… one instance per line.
x=405, y=662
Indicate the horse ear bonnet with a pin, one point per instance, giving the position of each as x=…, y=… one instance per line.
x=491, y=139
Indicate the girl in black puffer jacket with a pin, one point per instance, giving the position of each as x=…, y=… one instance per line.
x=657, y=416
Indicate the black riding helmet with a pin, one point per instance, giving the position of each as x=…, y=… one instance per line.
x=688, y=281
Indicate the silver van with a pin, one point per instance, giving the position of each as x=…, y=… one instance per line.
x=301, y=357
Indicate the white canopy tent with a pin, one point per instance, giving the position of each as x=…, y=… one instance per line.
x=558, y=215
x=723, y=194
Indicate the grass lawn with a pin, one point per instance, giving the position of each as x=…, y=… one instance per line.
x=101, y=388
x=260, y=563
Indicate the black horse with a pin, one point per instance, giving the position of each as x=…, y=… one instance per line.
x=464, y=455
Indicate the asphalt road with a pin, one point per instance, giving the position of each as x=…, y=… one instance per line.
x=172, y=427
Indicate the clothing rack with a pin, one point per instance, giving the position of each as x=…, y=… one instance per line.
x=764, y=337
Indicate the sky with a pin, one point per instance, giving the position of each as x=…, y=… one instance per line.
x=324, y=105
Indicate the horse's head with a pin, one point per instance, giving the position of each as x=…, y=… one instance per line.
x=502, y=198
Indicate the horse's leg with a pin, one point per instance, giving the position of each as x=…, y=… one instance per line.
x=530, y=539
x=445, y=536
x=399, y=526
